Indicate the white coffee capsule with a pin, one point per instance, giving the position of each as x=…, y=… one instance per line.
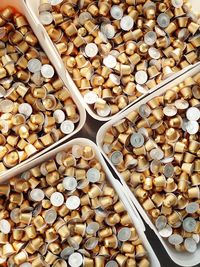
x=45, y=18
x=163, y=20
x=193, y=114
x=66, y=252
x=2, y=91
x=83, y=17
x=175, y=239
x=196, y=238
x=25, y=264
x=181, y=104
x=69, y=183
x=155, y=166
x=141, y=77
x=107, y=148
x=25, y=109
x=161, y=222
x=170, y=110
x=14, y=215
x=156, y=153
x=55, y=2
x=192, y=207
x=5, y=226
x=190, y=245
x=126, y=23
x=77, y=151
x=91, y=50
x=189, y=224
x=150, y=38
x=73, y=202
x=105, y=111
x=57, y=199
x=116, y=157
x=47, y=71
x=37, y=194
x=124, y=234
x=111, y=263
x=154, y=53
x=115, y=78
x=177, y=3
x=6, y=106
x=110, y=61
x=192, y=127
x=50, y=216
x=34, y=65
x=196, y=91
x=92, y=228
x=116, y=12
x=67, y=127
x=109, y=31
x=59, y=115
x=166, y=232
x=141, y=89
x=90, y=97
x=144, y=111
x=168, y=170
x=93, y=175
x=75, y=259
x=91, y=243
x=137, y=140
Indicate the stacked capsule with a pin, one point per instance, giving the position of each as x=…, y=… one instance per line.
x=156, y=149
x=36, y=110
x=115, y=51
x=65, y=212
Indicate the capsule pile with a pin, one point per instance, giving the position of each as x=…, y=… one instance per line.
x=117, y=50
x=156, y=149
x=36, y=109
x=65, y=213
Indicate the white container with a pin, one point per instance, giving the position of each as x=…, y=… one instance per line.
x=21, y=7
x=139, y=225
x=33, y=7
x=180, y=258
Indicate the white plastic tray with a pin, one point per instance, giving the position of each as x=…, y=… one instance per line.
x=33, y=6
x=180, y=258
x=133, y=213
x=20, y=6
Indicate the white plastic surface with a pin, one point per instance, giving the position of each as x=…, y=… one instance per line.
x=115, y=183
x=20, y=6
x=180, y=258
x=33, y=6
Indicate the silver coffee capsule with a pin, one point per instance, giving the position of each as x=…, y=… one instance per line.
x=92, y=228
x=192, y=127
x=175, y=239
x=181, y=104
x=67, y=127
x=57, y=199
x=75, y=259
x=168, y=170
x=59, y=116
x=126, y=23
x=190, y=245
x=2, y=91
x=73, y=202
x=47, y=71
x=177, y=3
x=137, y=140
x=90, y=97
x=154, y=53
x=14, y=215
x=83, y=17
x=25, y=109
x=144, y=111
x=110, y=61
x=91, y=243
x=166, y=232
x=66, y=252
x=116, y=12
x=91, y=50
x=55, y=2
x=150, y=38
x=196, y=238
x=104, y=112
x=189, y=224
x=170, y=110
x=37, y=194
x=69, y=183
x=161, y=222
x=156, y=154
x=93, y=175
x=111, y=263
x=141, y=77
x=25, y=264
x=193, y=114
x=116, y=157
x=5, y=226
x=109, y=31
x=50, y=216
x=45, y=18
x=192, y=207
x=34, y=65
x=124, y=234
x=114, y=78
x=163, y=20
